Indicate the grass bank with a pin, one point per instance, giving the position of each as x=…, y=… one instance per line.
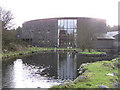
x=97, y=73
x=32, y=50
x=92, y=52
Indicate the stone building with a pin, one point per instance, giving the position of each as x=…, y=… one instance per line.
x=63, y=32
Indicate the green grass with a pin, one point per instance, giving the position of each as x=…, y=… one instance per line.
x=39, y=49
x=96, y=75
x=34, y=49
x=91, y=52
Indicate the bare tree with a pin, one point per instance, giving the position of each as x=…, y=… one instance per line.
x=6, y=17
x=86, y=34
x=85, y=40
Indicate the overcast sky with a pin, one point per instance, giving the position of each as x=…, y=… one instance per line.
x=25, y=10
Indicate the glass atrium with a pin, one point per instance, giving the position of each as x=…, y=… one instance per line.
x=67, y=31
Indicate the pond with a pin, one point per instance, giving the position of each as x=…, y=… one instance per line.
x=43, y=70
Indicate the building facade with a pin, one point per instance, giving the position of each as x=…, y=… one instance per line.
x=62, y=32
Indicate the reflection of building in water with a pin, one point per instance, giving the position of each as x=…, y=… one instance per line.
x=66, y=66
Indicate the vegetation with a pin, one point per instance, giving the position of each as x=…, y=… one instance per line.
x=96, y=74
x=10, y=43
x=85, y=37
x=9, y=40
x=30, y=50
x=92, y=52
x=6, y=17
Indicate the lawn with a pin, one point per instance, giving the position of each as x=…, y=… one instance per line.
x=33, y=50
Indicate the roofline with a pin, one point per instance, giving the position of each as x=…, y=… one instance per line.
x=66, y=18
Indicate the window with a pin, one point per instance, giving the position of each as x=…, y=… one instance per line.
x=67, y=29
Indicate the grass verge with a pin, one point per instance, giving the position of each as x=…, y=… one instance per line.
x=33, y=50
x=92, y=52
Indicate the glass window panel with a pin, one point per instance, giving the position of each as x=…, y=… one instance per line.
x=69, y=23
x=59, y=23
x=70, y=31
x=75, y=30
x=62, y=24
x=75, y=23
x=65, y=26
x=72, y=24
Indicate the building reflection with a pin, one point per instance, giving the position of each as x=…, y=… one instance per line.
x=67, y=67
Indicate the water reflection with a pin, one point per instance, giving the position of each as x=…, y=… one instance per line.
x=27, y=76
x=18, y=73
x=42, y=70
x=67, y=66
